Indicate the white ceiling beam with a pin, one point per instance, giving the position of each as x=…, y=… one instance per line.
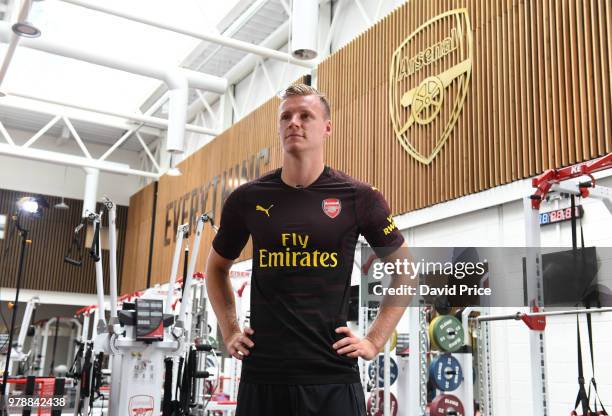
x=77, y=137
x=119, y=142
x=242, y=69
x=268, y=79
x=128, y=133
x=14, y=102
x=178, y=81
x=250, y=89
x=157, y=122
x=71, y=160
x=332, y=29
x=6, y=135
x=42, y=131
x=363, y=13
x=148, y=152
x=195, y=79
x=208, y=37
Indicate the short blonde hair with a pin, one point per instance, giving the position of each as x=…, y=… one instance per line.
x=304, y=90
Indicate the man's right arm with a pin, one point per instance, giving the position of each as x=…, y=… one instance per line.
x=221, y=297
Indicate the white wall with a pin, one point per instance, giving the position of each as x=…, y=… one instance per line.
x=52, y=179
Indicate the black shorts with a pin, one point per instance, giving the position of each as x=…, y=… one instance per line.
x=301, y=400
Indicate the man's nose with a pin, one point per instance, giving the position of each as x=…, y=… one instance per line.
x=294, y=120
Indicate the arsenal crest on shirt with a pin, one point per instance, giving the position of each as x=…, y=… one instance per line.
x=331, y=207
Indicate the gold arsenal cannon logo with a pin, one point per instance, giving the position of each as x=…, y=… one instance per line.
x=430, y=74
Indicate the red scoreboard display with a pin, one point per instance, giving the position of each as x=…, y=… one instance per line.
x=559, y=215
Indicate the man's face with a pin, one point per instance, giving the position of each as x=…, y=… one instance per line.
x=302, y=125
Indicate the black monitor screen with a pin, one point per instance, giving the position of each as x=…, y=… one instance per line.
x=570, y=277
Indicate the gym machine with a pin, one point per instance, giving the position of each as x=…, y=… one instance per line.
x=141, y=336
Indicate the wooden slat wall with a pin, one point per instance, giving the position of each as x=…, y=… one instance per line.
x=137, y=240
x=51, y=235
x=539, y=97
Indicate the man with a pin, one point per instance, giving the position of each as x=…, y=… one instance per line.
x=299, y=358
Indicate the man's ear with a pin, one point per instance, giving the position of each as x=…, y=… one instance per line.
x=328, y=128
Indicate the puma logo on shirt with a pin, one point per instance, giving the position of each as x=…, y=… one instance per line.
x=265, y=210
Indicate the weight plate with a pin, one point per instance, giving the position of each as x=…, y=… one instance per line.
x=447, y=333
x=380, y=363
x=376, y=403
x=432, y=341
x=445, y=373
x=446, y=405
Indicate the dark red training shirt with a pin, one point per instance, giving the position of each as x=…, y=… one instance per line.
x=303, y=248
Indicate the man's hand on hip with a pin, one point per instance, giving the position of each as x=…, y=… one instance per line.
x=238, y=343
x=353, y=346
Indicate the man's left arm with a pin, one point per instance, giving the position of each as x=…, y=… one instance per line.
x=390, y=313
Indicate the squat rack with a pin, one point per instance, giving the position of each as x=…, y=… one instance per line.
x=564, y=180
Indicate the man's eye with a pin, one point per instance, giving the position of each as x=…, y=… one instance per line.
x=305, y=115
x=285, y=117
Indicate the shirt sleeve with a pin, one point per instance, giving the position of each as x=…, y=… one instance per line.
x=376, y=222
x=233, y=233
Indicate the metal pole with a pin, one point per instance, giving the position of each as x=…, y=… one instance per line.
x=181, y=231
x=413, y=385
x=535, y=286
x=112, y=255
x=386, y=379
x=14, y=39
x=24, y=241
x=101, y=324
x=518, y=316
x=45, y=343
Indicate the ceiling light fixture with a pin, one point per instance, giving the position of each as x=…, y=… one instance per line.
x=32, y=205
x=173, y=170
x=26, y=29
x=61, y=205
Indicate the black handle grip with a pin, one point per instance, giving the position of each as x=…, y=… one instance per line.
x=201, y=374
x=73, y=261
x=203, y=347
